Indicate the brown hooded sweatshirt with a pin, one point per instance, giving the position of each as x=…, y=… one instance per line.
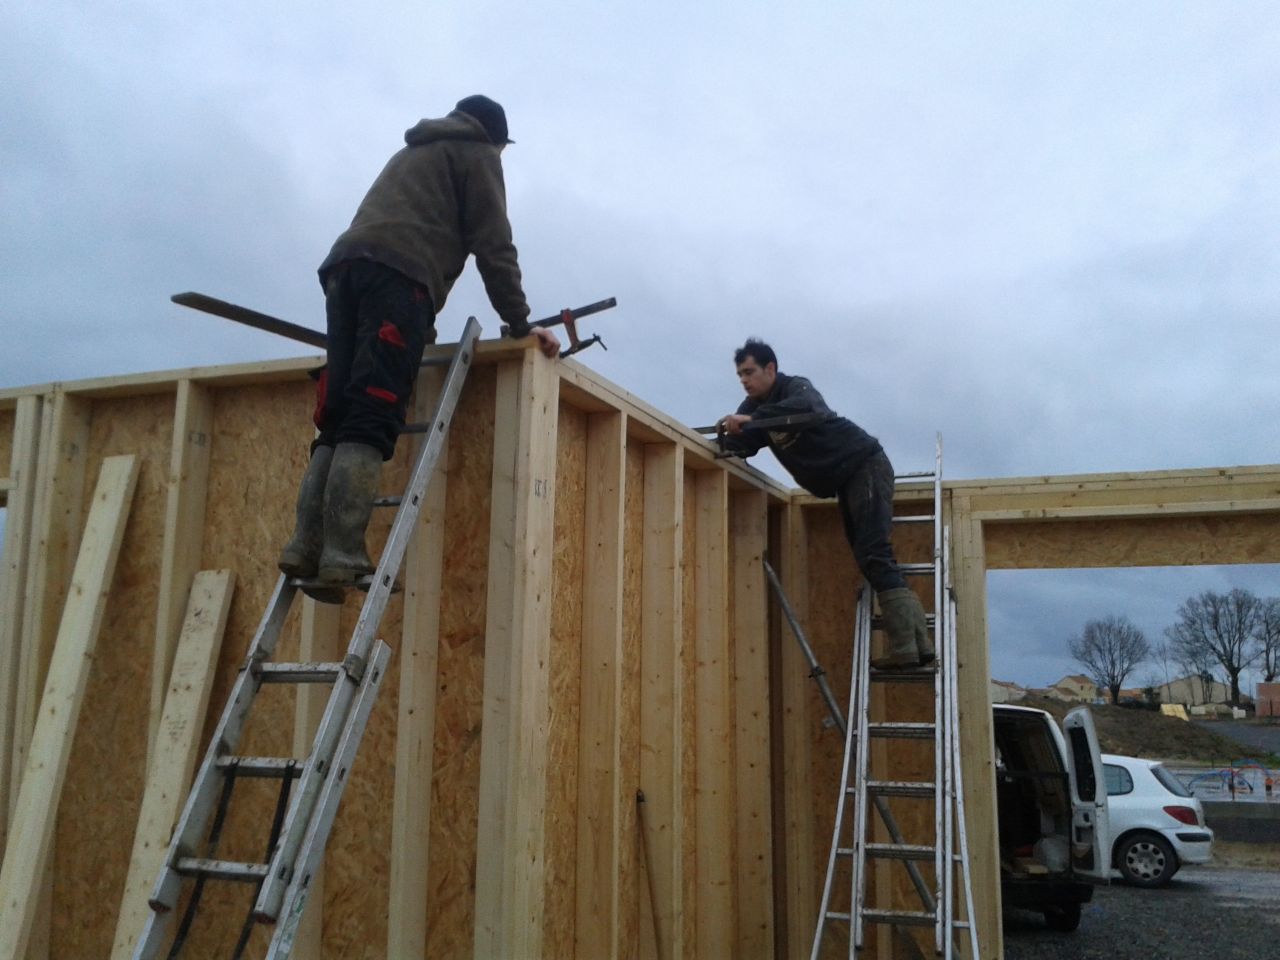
x=438, y=200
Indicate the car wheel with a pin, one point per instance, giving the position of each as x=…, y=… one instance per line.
x=1147, y=860
x=1064, y=919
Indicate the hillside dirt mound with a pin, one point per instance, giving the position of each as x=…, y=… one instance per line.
x=1149, y=734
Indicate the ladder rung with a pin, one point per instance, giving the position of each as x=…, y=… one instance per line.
x=901, y=851
x=393, y=500
x=908, y=918
x=877, y=622
x=836, y=915
x=913, y=476
x=903, y=731
x=915, y=518
x=918, y=675
x=899, y=788
x=222, y=869
x=299, y=672
x=274, y=768
x=915, y=568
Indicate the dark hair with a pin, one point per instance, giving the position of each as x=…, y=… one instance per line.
x=757, y=350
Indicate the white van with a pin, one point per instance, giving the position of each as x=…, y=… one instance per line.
x=1052, y=809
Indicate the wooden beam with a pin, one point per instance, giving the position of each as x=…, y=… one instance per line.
x=55, y=537
x=977, y=735
x=796, y=773
x=19, y=504
x=178, y=743
x=662, y=700
x=602, y=793
x=416, y=721
x=187, y=488
x=749, y=527
x=714, y=820
x=510, y=867
x=22, y=876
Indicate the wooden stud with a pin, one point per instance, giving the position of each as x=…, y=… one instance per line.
x=55, y=537
x=22, y=876
x=976, y=730
x=662, y=699
x=713, y=738
x=176, y=747
x=748, y=519
x=19, y=503
x=510, y=864
x=796, y=771
x=188, y=485
x=416, y=721
x=602, y=792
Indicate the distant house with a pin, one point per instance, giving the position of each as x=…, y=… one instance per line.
x=1135, y=694
x=1004, y=692
x=1075, y=688
x=1269, y=699
x=1193, y=690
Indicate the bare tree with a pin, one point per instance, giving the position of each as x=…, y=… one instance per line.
x=1217, y=627
x=1109, y=649
x=1267, y=632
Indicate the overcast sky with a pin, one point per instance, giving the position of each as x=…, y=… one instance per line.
x=1046, y=230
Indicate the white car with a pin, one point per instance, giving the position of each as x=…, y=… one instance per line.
x=1156, y=823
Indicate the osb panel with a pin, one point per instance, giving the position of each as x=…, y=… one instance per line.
x=565, y=685
x=1145, y=542
x=834, y=582
x=102, y=794
x=688, y=718
x=6, y=443
x=632, y=885
x=455, y=781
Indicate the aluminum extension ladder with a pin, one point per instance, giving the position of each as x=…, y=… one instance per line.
x=946, y=848
x=302, y=824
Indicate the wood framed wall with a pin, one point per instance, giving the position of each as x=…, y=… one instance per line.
x=584, y=620
x=566, y=640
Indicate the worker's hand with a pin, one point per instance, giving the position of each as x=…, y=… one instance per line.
x=733, y=423
x=548, y=342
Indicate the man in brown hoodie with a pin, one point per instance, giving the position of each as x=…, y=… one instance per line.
x=439, y=200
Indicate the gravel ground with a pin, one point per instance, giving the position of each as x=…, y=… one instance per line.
x=1212, y=912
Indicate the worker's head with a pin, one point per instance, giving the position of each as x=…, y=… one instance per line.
x=490, y=114
x=757, y=367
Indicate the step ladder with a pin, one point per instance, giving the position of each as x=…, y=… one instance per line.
x=944, y=843
x=310, y=788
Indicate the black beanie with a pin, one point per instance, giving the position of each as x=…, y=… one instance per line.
x=489, y=113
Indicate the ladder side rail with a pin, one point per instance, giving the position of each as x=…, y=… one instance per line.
x=837, y=826
x=313, y=845
x=861, y=668
x=271, y=896
x=200, y=801
x=942, y=732
x=815, y=669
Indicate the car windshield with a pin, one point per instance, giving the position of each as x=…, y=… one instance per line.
x=1171, y=783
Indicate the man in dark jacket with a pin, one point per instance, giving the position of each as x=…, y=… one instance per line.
x=833, y=457
x=440, y=199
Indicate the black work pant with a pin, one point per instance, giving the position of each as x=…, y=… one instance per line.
x=379, y=323
x=866, y=506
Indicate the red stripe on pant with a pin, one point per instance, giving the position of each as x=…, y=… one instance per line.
x=381, y=394
x=390, y=333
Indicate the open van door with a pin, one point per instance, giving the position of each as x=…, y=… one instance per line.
x=1090, y=836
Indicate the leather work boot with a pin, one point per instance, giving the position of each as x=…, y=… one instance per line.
x=348, y=503
x=908, y=631
x=301, y=555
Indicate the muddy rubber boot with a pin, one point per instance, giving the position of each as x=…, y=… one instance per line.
x=301, y=555
x=348, y=504
x=907, y=629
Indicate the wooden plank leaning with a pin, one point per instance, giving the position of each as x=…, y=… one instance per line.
x=21, y=878
x=176, y=747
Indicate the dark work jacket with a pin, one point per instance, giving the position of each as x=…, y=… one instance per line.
x=438, y=200
x=820, y=456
